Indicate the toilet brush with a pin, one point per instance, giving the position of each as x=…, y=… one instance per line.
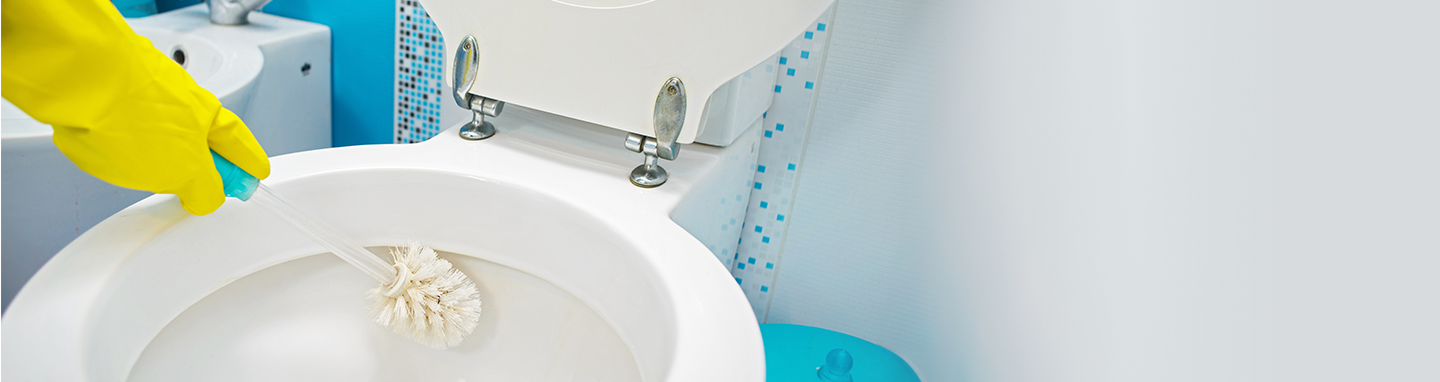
x=421, y=295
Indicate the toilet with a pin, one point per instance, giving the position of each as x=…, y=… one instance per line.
x=590, y=197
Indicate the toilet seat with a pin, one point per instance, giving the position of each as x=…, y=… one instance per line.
x=605, y=61
x=541, y=197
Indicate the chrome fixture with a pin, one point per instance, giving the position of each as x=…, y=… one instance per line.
x=669, y=116
x=467, y=65
x=232, y=12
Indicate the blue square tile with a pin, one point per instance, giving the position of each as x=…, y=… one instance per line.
x=769, y=133
x=741, y=265
x=737, y=281
x=783, y=60
x=780, y=217
x=809, y=35
x=764, y=204
x=759, y=229
x=790, y=72
x=764, y=289
x=757, y=185
x=792, y=166
x=777, y=88
x=780, y=127
x=804, y=54
x=765, y=239
x=751, y=260
x=820, y=27
x=760, y=169
x=769, y=265
x=809, y=85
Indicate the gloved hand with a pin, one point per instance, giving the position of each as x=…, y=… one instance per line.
x=121, y=110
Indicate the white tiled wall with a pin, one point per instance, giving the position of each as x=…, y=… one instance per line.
x=786, y=128
x=854, y=259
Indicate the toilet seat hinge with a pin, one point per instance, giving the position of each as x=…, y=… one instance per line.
x=464, y=70
x=478, y=128
x=668, y=118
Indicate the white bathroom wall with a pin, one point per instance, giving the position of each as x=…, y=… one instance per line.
x=779, y=166
x=854, y=251
x=1126, y=190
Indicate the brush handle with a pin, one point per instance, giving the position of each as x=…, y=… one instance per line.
x=324, y=235
x=241, y=185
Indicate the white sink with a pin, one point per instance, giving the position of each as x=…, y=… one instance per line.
x=273, y=73
x=225, y=66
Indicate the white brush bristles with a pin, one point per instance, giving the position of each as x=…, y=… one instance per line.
x=438, y=307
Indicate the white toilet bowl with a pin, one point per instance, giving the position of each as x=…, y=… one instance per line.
x=583, y=275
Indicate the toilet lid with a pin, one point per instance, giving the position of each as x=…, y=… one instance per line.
x=605, y=61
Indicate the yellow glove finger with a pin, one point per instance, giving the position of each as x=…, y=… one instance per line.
x=160, y=163
x=231, y=139
x=204, y=193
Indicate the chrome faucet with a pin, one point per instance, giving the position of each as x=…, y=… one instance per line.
x=232, y=12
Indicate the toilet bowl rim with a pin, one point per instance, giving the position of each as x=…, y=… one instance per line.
x=152, y=214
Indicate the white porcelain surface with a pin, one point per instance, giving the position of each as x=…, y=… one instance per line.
x=299, y=321
x=254, y=70
x=546, y=196
x=226, y=66
x=739, y=103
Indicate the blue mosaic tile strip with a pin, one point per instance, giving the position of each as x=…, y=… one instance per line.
x=787, y=126
x=419, y=73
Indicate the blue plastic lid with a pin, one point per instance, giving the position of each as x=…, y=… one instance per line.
x=135, y=8
x=795, y=353
x=238, y=183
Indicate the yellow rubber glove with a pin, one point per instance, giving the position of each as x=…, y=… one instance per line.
x=121, y=110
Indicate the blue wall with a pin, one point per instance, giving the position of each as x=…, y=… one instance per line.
x=362, y=54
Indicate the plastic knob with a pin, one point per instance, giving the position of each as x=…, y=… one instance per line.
x=837, y=366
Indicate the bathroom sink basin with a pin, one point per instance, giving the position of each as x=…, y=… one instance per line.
x=274, y=74
x=227, y=67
